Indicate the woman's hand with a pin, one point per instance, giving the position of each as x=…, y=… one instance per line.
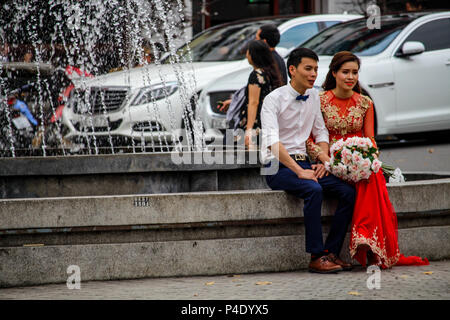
x=224, y=105
x=249, y=140
x=323, y=157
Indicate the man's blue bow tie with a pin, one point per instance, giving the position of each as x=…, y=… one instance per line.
x=302, y=97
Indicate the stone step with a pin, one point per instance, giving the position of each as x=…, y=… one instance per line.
x=22, y=266
x=204, y=233
x=410, y=197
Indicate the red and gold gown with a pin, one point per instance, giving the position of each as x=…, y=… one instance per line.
x=374, y=221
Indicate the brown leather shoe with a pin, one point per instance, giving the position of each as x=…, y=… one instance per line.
x=324, y=265
x=335, y=259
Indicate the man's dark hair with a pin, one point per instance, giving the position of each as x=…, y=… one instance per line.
x=271, y=34
x=295, y=57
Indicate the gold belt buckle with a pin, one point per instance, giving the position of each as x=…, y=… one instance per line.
x=300, y=157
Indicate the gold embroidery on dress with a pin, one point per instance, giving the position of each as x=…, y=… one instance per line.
x=378, y=248
x=312, y=149
x=336, y=123
x=343, y=124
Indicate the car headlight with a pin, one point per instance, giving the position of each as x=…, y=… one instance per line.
x=155, y=92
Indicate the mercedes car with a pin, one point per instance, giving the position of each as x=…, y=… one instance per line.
x=153, y=104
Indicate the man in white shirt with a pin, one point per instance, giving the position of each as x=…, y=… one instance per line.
x=289, y=115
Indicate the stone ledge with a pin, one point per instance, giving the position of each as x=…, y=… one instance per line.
x=141, y=173
x=22, y=266
x=409, y=197
x=123, y=163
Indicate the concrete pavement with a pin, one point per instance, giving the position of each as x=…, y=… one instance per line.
x=418, y=158
x=400, y=283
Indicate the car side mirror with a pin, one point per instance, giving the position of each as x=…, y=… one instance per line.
x=410, y=48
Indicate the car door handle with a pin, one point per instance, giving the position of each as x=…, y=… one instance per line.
x=448, y=62
x=381, y=85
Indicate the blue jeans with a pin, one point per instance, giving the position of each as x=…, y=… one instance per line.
x=312, y=193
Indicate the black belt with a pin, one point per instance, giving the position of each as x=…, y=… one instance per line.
x=299, y=157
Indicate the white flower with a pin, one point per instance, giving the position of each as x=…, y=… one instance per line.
x=339, y=170
x=346, y=156
x=376, y=165
x=328, y=166
x=353, y=176
x=364, y=143
x=366, y=164
x=365, y=174
x=348, y=142
x=353, y=168
x=356, y=157
x=337, y=146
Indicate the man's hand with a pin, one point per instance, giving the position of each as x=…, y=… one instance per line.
x=319, y=170
x=307, y=174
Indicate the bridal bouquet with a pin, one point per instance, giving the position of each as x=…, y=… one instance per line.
x=354, y=159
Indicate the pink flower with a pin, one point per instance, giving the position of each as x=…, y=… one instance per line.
x=353, y=163
x=376, y=165
x=328, y=166
x=365, y=164
x=339, y=170
x=337, y=146
x=365, y=174
x=356, y=157
x=353, y=168
x=353, y=176
x=346, y=156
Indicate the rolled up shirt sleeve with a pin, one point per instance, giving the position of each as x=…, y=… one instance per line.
x=269, y=122
x=319, y=130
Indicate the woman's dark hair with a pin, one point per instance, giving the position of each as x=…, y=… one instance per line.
x=338, y=60
x=262, y=58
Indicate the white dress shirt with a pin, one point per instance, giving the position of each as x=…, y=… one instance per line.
x=289, y=121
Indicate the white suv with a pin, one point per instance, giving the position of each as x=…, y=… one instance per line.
x=405, y=69
x=152, y=104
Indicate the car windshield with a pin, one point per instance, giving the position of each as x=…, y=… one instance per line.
x=356, y=37
x=227, y=43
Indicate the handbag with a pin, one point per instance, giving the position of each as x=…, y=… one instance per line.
x=234, y=110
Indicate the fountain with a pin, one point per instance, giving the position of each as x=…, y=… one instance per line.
x=97, y=37
x=86, y=198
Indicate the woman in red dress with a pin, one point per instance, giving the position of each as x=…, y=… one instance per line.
x=348, y=113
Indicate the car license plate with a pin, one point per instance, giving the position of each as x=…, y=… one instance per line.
x=219, y=123
x=97, y=121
